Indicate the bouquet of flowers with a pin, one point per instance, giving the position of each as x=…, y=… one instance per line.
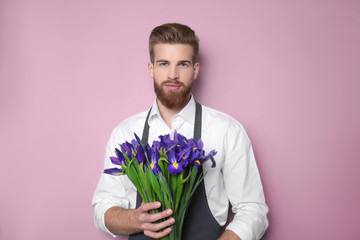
x=167, y=172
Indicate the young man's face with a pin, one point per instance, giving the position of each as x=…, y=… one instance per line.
x=174, y=73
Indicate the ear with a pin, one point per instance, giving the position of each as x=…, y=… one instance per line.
x=196, y=70
x=151, y=69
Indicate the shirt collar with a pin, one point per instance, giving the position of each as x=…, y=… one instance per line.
x=187, y=113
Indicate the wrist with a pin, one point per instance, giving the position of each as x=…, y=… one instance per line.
x=229, y=235
x=121, y=221
x=135, y=219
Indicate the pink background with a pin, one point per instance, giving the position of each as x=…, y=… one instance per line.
x=71, y=70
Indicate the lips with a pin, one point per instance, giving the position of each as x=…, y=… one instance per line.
x=172, y=85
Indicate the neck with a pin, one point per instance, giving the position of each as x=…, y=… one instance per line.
x=167, y=113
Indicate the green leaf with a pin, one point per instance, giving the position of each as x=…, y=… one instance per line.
x=154, y=183
x=166, y=191
x=179, y=190
x=161, y=162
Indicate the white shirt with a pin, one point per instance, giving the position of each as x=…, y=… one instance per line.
x=235, y=178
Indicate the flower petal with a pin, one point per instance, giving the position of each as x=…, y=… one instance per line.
x=113, y=171
x=175, y=168
x=115, y=160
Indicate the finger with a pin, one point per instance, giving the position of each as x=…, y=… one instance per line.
x=150, y=218
x=157, y=235
x=145, y=207
x=154, y=227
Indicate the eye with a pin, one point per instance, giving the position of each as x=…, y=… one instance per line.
x=163, y=64
x=184, y=64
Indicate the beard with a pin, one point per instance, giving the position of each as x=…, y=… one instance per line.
x=173, y=99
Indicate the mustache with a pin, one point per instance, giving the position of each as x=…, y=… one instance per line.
x=172, y=81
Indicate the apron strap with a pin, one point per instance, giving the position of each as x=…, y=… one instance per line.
x=197, y=122
x=145, y=135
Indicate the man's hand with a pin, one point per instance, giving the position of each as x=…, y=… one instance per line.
x=148, y=221
x=123, y=221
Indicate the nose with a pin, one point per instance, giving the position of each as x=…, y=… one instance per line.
x=173, y=73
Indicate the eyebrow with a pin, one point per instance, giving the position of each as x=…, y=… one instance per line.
x=181, y=61
x=185, y=61
x=161, y=61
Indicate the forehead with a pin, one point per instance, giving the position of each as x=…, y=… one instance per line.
x=173, y=52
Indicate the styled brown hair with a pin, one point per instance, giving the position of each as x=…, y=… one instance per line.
x=173, y=33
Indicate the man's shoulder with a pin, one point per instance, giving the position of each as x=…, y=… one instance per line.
x=131, y=124
x=214, y=115
x=223, y=123
x=134, y=118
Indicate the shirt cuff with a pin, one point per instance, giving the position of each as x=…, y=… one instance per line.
x=242, y=232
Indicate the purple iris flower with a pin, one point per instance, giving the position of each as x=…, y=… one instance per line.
x=128, y=149
x=140, y=155
x=156, y=145
x=174, y=167
x=191, y=153
x=211, y=157
x=119, y=159
x=165, y=142
x=203, y=158
x=181, y=153
x=148, y=150
x=199, y=144
x=197, y=165
x=137, y=148
x=136, y=143
x=181, y=141
x=184, y=157
x=154, y=158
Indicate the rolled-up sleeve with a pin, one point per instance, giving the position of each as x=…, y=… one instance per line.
x=244, y=188
x=111, y=190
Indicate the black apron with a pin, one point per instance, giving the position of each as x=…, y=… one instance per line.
x=199, y=223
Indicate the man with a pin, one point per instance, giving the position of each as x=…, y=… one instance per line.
x=235, y=179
